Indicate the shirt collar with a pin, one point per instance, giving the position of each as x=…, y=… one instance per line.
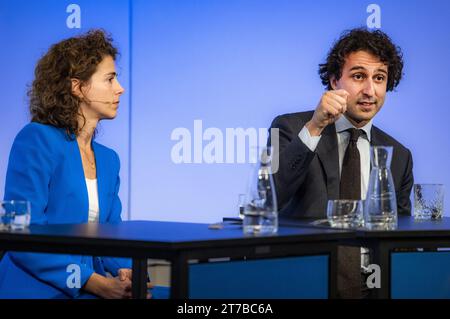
x=343, y=124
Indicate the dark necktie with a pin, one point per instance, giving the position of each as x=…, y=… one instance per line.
x=349, y=258
x=350, y=185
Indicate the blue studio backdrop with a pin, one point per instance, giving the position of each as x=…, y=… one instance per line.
x=195, y=70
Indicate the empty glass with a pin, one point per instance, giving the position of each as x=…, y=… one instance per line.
x=343, y=213
x=15, y=214
x=428, y=201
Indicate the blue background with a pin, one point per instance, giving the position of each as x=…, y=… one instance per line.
x=230, y=64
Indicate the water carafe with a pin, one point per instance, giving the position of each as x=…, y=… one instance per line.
x=380, y=207
x=260, y=212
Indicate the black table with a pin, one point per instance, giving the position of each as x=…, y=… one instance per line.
x=176, y=242
x=409, y=235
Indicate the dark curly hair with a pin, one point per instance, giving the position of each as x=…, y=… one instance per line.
x=50, y=94
x=375, y=42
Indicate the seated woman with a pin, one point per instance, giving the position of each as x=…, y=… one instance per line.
x=68, y=177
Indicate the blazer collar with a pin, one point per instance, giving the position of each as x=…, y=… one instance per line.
x=101, y=181
x=379, y=138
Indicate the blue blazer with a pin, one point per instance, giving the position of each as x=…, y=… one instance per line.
x=45, y=168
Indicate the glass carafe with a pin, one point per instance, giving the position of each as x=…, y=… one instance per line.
x=260, y=209
x=380, y=207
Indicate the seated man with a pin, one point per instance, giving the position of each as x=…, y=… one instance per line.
x=325, y=154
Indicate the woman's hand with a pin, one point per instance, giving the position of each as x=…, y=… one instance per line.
x=108, y=288
x=113, y=288
x=127, y=273
x=116, y=288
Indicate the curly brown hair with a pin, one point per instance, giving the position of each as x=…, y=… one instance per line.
x=51, y=98
x=360, y=39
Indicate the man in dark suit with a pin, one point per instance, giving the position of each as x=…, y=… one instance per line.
x=325, y=154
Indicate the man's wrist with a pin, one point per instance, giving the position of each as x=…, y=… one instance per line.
x=314, y=129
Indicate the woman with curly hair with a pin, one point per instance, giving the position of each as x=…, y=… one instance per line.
x=67, y=176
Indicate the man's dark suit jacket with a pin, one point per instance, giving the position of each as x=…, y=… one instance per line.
x=306, y=180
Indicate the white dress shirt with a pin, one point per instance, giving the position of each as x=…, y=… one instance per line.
x=94, y=208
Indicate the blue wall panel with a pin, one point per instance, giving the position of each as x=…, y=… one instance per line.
x=27, y=30
x=240, y=63
x=230, y=64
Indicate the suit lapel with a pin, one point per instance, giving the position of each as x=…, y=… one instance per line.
x=79, y=178
x=375, y=138
x=101, y=181
x=327, y=151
